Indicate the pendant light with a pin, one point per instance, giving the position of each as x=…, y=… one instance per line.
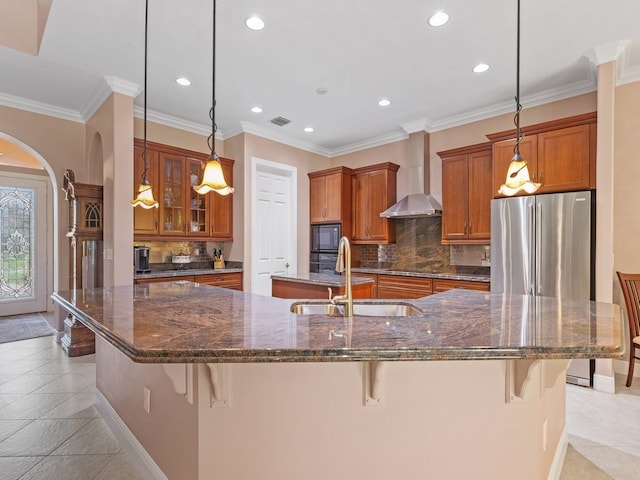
x=145, y=194
x=518, y=179
x=213, y=177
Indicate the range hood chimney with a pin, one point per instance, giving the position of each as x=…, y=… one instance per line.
x=418, y=203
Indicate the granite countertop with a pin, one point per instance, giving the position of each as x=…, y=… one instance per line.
x=187, y=322
x=447, y=276
x=184, y=272
x=322, y=279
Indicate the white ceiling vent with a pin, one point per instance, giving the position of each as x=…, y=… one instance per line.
x=280, y=121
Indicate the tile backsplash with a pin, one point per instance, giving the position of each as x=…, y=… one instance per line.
x=160, y=253
x=418, y=249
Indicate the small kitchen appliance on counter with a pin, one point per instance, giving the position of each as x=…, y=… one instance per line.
x=141, y=259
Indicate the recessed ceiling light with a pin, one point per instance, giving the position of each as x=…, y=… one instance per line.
x=256, y=109
x=308, y=129
x=322, y=90
x=438, y=19
x=254, y=23
x=384, y=102
x=183, y=81
x=481, y=67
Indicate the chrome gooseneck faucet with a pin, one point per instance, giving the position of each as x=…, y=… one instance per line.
x=344, y=264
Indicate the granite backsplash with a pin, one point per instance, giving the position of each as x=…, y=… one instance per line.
x=418, y=249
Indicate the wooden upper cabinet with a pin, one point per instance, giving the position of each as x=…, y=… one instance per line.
x=221, y=207
x=455, y=197
x=563, y=159
x=374, y=190
x=145, y=221
x=502, y=155
x=466, y=194
x=183, y=213
x=330, y=196
x=480, y=195
x=561, y=155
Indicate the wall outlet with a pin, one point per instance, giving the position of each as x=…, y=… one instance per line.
x=146, y=403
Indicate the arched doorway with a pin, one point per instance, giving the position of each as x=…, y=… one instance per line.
x=26, y=236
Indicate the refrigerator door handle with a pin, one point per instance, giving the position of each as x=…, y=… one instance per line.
x=538, y=248
x=531, y=233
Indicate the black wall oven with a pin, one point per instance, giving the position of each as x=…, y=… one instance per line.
x=323, y=263
x=324, y=248
x=325, y=238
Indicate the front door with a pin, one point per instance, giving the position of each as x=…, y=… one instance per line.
x=23, y=259
x=273, y=235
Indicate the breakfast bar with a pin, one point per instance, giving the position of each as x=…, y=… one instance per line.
x=463, y=384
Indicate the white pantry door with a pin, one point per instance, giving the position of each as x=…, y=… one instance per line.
x=23, y=245
x=274, y=233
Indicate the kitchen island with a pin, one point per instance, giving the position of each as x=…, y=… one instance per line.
x=209, y=383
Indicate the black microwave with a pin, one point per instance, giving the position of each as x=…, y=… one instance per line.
x=325, y=238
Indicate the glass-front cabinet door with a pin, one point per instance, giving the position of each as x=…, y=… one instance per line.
x=198, y=213
x=171, y=195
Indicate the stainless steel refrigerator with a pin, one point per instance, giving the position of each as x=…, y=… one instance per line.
x=543, y=245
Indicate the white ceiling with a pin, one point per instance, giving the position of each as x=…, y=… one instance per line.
x=360, y=50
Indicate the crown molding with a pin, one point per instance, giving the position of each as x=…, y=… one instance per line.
x=610, y=52
x=253, y=129
x=175, y=122
x=528, y=101
x=369, y=143
x=21, y=103
x=124, y=87
x=415, y=126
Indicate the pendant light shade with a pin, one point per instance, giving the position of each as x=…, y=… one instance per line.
x=213, y=177
x=145, y=194
x=518, y=178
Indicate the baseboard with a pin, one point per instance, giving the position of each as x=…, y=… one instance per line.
x=558, y=458
x=622, y=367
x=604, y=383
x=138, y=455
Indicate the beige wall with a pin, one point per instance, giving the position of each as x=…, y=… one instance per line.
x=305, y=162
x=626, y=190
x=111, y=127
x=626, y=195
x=58, y=144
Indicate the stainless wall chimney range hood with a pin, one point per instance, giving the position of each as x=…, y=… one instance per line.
x=418, y=203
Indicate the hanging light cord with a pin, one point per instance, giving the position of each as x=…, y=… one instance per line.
x=516, y=118
x=144, y=151
x=212, y=112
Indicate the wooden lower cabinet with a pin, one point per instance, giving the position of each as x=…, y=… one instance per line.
x=399, y=286
x=403, y=286
x=374, y=285
x=232, y=280
x=188, y=278
x=224, y=280
x=286, y=289
x=442, y=285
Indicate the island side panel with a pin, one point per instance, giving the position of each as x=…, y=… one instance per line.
x=169, y=431
x=444, y=420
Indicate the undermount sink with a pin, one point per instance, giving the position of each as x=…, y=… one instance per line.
x=308, y=308
x=376, y=309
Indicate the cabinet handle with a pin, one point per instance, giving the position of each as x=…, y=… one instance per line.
x=470, y=227
x=464, y=228
x=540, y=176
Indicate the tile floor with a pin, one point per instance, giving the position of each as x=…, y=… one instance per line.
x=605, y=429
x=49, y=428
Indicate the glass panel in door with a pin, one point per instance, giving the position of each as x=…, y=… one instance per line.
x=22, y=246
